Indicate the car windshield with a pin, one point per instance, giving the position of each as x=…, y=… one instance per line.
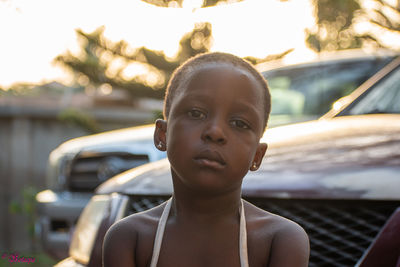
x=383, y=98
x=306, y=92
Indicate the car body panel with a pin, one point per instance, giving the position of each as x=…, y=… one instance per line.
x=385, y=250
x=113, y=138
x=339, y=56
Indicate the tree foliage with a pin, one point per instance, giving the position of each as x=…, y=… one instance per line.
x=255, y=60
x=104, y=62
x=179, y=3
x=335, y=20
x=385, y=15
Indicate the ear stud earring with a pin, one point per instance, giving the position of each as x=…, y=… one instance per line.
x=159, y=145
x=254, y=166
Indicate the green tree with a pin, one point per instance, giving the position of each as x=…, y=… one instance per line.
x=104, y=62
x=179, y=3
x=333, y=29
x=335, y=20
x=384, y=15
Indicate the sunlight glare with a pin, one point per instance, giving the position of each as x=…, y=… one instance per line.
x=258, y=28
x=134, y=69
x=105, y=89
x=192, y=5
x=248, y=28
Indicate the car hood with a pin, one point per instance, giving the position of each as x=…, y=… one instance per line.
x=115, y=138
x=354, y=157
x=133, y=140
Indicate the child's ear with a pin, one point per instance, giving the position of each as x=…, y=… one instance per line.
x=258, y=157
x=160, y=135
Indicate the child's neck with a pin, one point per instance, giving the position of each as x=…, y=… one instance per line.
x=201, y=207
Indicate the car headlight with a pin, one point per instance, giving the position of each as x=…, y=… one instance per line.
x=58, y=168
x=46, y=196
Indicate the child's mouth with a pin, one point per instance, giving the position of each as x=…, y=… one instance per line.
x=210, y=159
x=209, y=163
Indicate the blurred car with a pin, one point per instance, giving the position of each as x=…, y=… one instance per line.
x=306, y=90
x=300, y=92
x=338, y=177
x=76, y=168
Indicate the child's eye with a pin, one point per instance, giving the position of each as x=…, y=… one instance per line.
x=240, y=124
x=196, y=114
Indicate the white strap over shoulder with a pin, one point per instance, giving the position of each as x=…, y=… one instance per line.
x=244, y=259
x=160, y=233
x=163, y=221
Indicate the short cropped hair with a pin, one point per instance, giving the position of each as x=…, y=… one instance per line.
x=191, y=64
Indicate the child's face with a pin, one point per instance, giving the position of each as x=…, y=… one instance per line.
x=214, y=127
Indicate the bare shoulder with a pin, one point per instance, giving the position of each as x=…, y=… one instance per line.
x=121, y=240
x=283, y=242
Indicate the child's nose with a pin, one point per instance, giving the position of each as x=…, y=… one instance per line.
x=214, y=132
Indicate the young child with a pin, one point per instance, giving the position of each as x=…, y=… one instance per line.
x=216, y=110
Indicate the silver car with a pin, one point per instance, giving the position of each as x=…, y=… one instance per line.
x=76, y=168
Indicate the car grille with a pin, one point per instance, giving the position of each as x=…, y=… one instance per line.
x=339, y=231
x=88, y=170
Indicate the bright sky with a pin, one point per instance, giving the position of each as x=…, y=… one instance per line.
x=33, y=33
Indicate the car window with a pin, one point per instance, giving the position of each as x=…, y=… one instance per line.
x=87, y=227
x=382, y=98
x=309, y=91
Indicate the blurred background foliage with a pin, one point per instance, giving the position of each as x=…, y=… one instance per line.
x=179, y=3
x=102, y=63
x=81, y=119
x=335, y=21
x=25, y=206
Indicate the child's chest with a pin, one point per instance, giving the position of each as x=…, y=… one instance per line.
x=199, y=247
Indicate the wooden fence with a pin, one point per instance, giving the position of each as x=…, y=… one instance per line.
x=27, y=136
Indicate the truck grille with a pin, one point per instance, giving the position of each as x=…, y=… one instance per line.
x=88, y=170
x=339, y=231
